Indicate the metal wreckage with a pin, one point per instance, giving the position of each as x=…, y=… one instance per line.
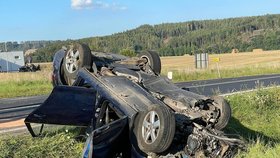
x=129, y=110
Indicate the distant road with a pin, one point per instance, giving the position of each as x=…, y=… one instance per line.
x=230, y=85
x=16, y=108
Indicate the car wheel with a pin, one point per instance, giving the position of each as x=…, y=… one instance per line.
x=76, y=57
x=155, y=129
x=152, y=58
x=225, y=112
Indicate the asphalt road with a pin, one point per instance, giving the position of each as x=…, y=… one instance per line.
x=15, y=108
x=230, y=85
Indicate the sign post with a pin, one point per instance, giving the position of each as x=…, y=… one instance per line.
x=170, y=75
x=217, y=60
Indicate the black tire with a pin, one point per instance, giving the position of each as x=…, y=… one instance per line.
x=82, y=59
x=164, y=134
x=225, y=112
x=62, y=75
x=67, y=78
x=153, y=60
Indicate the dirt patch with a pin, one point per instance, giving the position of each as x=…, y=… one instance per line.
x=11, y=124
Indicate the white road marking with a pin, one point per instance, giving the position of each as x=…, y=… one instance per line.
x=238, y=81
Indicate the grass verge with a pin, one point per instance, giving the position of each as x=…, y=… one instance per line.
x=182, y=75
x=52, y=145
x=24, y=88
x=24, y=84
x=256, y=118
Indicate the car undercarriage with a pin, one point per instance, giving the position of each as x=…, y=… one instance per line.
x=131, y=101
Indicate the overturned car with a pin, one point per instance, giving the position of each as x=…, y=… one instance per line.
x=129, y=110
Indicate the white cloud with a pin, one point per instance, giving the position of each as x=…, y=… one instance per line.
x=112, y=6
x=81, y=4
x=87, y=4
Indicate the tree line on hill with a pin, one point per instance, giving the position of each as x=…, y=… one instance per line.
x=23, y=46
x=174, y=39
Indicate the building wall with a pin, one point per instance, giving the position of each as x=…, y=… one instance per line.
x=11, y=61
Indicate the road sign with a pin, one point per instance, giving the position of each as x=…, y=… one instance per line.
x=216, y=60
x=201, y=60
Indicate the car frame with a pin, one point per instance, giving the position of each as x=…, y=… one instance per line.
x=126, y=100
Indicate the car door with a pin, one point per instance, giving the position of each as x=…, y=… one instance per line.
x=66, y=105
x=110, y=140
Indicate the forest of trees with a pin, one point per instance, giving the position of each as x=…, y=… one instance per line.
x=22, y=46
x=169, y=39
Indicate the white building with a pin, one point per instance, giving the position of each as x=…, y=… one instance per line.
x=11, y=61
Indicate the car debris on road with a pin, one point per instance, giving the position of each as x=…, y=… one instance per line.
x=130, y=110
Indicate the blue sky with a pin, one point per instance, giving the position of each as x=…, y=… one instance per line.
x=23, y=20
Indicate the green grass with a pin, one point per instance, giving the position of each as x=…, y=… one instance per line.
x=261, y=150
x=180, y=75
x=24, y=88
x=256, y=118
x=53, y=145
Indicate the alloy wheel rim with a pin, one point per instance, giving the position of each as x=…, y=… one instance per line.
x=150, y=127
x=72, y=59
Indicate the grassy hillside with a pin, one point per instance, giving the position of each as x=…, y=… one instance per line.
x=169, y=39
